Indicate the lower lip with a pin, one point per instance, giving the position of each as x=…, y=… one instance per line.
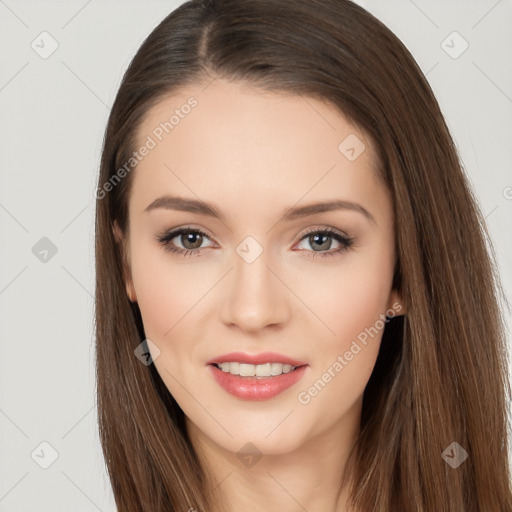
x=251, y=388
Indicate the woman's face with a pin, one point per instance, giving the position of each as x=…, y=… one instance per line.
x=264, y=275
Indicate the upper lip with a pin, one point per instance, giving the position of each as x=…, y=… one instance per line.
x=261, y=358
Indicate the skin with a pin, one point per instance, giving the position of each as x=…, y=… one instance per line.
x=255, y=154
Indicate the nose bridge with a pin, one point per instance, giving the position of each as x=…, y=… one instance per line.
x=255, y=297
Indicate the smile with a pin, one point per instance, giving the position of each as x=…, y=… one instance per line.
x=257, y=370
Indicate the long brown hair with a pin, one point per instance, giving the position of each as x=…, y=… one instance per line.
x=441, y=374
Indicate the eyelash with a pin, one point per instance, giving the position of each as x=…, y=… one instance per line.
x=346, y=242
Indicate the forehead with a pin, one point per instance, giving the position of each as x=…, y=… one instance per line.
x=230, y=139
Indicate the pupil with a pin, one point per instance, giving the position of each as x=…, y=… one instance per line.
x=317, y=236
x=189, y=238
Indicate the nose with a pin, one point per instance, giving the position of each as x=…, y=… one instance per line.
x=255, y=297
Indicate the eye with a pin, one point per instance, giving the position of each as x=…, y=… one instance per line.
x=191, y=240
x=320, y=239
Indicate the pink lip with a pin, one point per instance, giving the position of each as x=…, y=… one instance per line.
x=251, y=388
x=261, y=358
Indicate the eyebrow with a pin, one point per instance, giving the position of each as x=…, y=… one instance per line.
x=204, y=208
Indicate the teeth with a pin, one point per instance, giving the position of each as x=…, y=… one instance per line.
x=247, y=370
x=257, y=370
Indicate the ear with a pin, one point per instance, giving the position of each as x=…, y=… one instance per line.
x=396, y=304
x=120, y=240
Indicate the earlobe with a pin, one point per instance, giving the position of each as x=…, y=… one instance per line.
x=396, y=306
x=131, y=292
x=118, y=235
x=116, y=230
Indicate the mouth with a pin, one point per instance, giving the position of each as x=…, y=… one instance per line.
x=256, y=382
x=256, y=371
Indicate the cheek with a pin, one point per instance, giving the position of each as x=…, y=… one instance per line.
x=355, y=304
x=351, y=301
x=167, y=295
x=351, y=298
x=166, y=291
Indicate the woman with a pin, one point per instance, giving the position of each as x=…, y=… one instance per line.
x=295, y=307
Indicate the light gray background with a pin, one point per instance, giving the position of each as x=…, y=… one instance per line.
x=52, y=117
